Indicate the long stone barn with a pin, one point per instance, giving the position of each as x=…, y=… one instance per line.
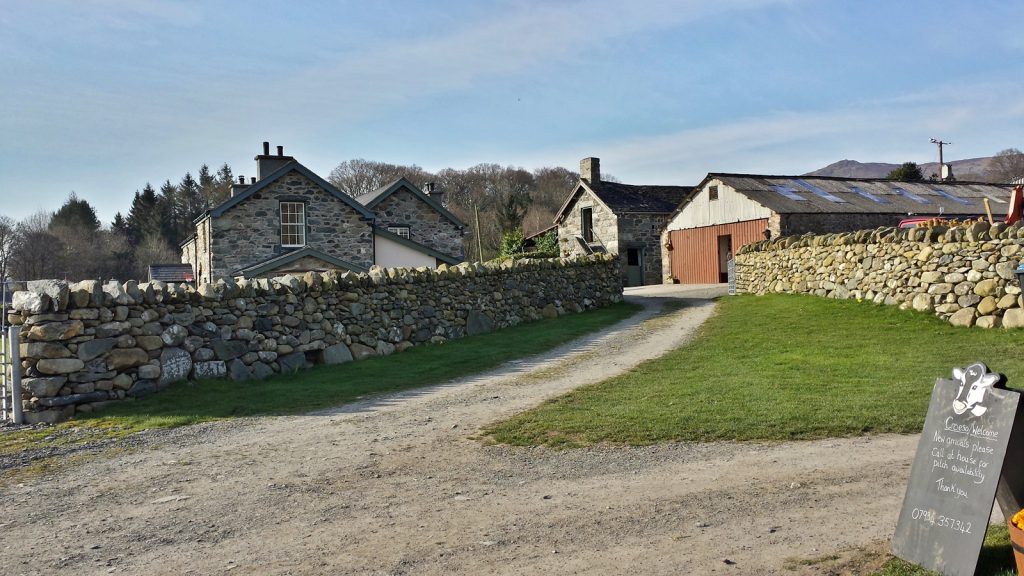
x=727, y=211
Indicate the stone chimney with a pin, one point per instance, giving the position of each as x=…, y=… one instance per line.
x=433, y=191
x=590, y=171
x=238, y=187
x=267, y=164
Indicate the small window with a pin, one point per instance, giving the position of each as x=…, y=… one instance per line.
x=402, y=231
x=712, y=193
x=293, y=224
x=587, y=218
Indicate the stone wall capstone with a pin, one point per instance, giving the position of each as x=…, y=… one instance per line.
x=87, y=344
x=963, y=273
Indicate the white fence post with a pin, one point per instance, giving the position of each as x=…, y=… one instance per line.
x=15, y=359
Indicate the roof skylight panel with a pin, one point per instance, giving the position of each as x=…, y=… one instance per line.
x=956, y=199
x=994, y=197
x=869, y=195
x=910, y=195
x=818, y=191
x=788, y=192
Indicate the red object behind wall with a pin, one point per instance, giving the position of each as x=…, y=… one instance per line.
x=1016, y=199
x=695, y=257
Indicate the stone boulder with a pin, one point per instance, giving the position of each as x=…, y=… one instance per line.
x=175, y=365
x=478, y=322
x=44, y=350
x=361, y=351
x=43, y=387
x=292, y=362
x=95, y=348
x=209, y=370
x=123, y=358
x=229, y=349
x=56, y=331
x=30, y=302
x=337, y=354
x=56, y=290
x=56, y=366
x=174, y=335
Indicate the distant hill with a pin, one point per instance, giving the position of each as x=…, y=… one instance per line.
x=969, y=169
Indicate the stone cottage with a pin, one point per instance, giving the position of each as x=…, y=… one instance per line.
x=289, y=220
x=622, y=219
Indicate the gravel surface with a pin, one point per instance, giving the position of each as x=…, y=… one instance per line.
x=399, y=484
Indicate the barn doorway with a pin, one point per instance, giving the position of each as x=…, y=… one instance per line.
x=634, y=267
x=724, y=255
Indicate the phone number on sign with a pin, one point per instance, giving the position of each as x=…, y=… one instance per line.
x=931, y=518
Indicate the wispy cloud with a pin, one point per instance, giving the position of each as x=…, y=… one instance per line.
x=124, y=14
x=520, y=38
x=895, y=129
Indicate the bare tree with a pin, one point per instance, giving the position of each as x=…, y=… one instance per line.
x=153, y=250
x=357, y=177
x=8, y=240
x=1007, y=166
x=37, y=252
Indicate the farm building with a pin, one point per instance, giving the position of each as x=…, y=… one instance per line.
x=623, y=219
x=727, y=211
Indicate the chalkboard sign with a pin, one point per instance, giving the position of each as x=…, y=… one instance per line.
x=955, y=472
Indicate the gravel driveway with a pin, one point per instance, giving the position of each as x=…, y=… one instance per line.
x=399, y=485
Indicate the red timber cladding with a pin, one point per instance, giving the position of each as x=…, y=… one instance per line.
x=695, y=250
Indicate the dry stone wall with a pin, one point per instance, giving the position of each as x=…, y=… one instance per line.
x=964, y=274
x=88, y=344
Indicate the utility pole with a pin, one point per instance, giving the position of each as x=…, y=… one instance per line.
x=939, y=143
x=479, y=242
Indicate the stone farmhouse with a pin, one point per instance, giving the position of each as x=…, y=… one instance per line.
x=727, y=211
x=289, y=220
x=622, y=219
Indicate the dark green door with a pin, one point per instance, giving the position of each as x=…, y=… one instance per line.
x=634, y=266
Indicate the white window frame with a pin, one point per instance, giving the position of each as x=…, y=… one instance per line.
x=402, y=231
x=293, y=224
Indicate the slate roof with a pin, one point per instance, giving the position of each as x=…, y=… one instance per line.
x=820, y=194
x=641, y=198
x=382, y=232
x=372, y=199
x=278, y=260
x=630, y=198
x=269, y=179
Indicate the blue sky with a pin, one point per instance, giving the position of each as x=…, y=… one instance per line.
x=101, y=96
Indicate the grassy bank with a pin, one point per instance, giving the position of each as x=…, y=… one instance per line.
x=775, y=367
x=323, y=386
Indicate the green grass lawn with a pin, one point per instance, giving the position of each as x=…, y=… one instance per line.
x=775, y=367
x=322, y=386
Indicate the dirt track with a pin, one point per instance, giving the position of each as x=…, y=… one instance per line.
x=397, y=485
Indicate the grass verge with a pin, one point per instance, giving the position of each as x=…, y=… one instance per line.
x=777, y=367
x=996, y=558
x=322, y=387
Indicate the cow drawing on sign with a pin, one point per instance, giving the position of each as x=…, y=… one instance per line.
x=975, y=381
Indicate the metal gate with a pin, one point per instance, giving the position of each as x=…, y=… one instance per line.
x=10, y=375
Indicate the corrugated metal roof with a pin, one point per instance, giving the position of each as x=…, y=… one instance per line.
x=859, y=195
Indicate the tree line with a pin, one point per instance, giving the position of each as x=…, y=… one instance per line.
x=72, y=243
x=1006, y=167
x=507, y=200
x=505, y=203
